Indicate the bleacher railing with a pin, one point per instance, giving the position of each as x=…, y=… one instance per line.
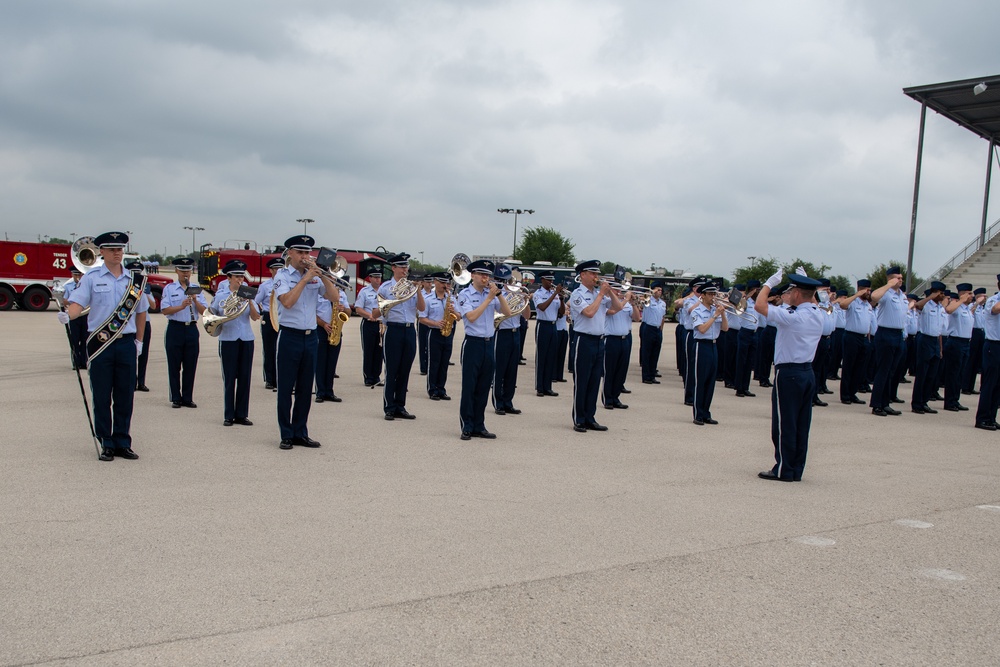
x=959, y=258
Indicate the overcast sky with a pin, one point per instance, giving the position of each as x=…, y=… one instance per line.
x=686, y=134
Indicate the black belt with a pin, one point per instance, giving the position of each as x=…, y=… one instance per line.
x=552, y=322
x=855, y=333
x=186, y=324
x=705, y=340
x=801, y=365
x=616, y=336
x=896, y=329
x=399, y=324
x=482, y=338
x=826, y=336
x=301, y=332
x=580, y=333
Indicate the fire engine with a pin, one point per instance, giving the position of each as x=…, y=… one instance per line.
x=213, y=259
x=30, y=271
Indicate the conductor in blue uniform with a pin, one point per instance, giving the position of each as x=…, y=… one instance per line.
x=798, y=329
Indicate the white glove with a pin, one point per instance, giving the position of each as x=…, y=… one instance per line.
x=63, y=317
x=801, y=271
x=138, y=348
x=775, y=280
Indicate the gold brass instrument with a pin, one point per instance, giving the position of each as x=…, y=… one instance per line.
x=402, y=291
x=449, y=319
x=516, y=301
x=735, y=304
x=272, y=308
x=232, y=307
x=337, y=325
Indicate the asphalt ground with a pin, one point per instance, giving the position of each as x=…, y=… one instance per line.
x=396, y=543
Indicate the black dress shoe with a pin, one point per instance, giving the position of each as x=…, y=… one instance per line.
x=435, y=397
x=896, y=400
x=243, y=421
x=626, y=391
x=423, y=372
x=771, y=475
x=765, y=383
x=929, y=410
x=403, y=414
x=749, y=393
x=466, y=435
x=445, y=397
x=126, y=453
x=689, y=403
x=917, y=410
x=486, y=435
x=551, y=393
x=819, y=403
x=107, y=454
x=698, y=422
x=658, y=374
x=951, y=408
x=306, y=442
x=982, y=425
x=141, y=387
x=961, y=407
x=286, y=443
x=651, y=382
x=175, y=404
x=320, y=399
x=189, y=404
x=728, y=385
x=865, y=390
x=879, y=412
x=380, y=384
x=904, y=381
x=500, y=412
x=561, y=380
x=711, y=421
x=579, y=428
x=620, y=405
x=227, y=422
x=389, y=416
x=513, y=411
x=609, y=406
x=522, y=363
x=336, y=377
x=856, y=401
x=936, y=397
x=268, y=385
x=594, y=426
x=892, y=412
x=334, y=398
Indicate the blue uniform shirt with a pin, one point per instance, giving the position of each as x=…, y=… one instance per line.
x=68, y=288
x=433, y=306
x=561, y=324
x=829, y=322
x=550, y=314
x=960, y=322
x=100, y=290
x=263, y=298
x=891, y=311
x=912, y=321
x=750, y=319
x=302, y=315
x=237, y=329
x=858, y=317
x=699, y=316
x=468, y=300
x=619, y=324
x=653, y=313
x=992, y=322
x=798, y=332
x=368, y=300
x=402, y=313
x=979, y=318
x=930, y=319
x=582, y=298
x=685, y=317
x=324, y=308
x=841, y=316
x=173, y=295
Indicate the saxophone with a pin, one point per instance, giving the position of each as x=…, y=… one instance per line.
x=450, y=317
x=336, y=326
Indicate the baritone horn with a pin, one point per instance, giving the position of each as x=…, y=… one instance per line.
x=86, y=255
x=459, y=271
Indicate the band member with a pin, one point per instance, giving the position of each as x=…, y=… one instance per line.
x=890, y=317
x=589, y=306
x=366, y=305
x=547, y=304
x=297, y=288
x=182, y=308
x=974, y=366
x=989, y=391
x=507, y=352
x=617, y=348
x=798, y=330
x=956, y=347
x=147, y=336
x=651, y=332
x=328, y=316
x=680, y=333
x=821, y=360
x=928, y=349
x=236, y=342
x=709, y=320
x=837, y=338
x=728, y=346
x=116, y=323
x=437, y=307
x=857, y=325
x=400, y=345
x=424, y=331
x=688, y=304
x=562, y=336
x=746, y=350
x=269, y=329
x=78, y=326
x=477, y=304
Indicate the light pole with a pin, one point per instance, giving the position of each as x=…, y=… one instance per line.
x=421, y=256
x=130, y=233
x=305, y=222
x=194, y=230
x=516, y=212
x=752, y=258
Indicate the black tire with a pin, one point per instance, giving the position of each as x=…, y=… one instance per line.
x=6, y=298
x=35, y=299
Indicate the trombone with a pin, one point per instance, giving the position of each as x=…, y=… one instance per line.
x=735, y=303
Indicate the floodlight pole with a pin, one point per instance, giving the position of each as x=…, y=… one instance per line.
x=516, y=212
x=916, y=196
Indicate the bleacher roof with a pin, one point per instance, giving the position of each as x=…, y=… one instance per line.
x=956, y=100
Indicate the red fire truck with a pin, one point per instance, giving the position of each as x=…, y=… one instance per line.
x=30, y=271
x=213, y=260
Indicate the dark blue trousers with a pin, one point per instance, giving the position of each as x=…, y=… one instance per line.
x=112, y=388
x=689, y=367
x=925, y=380
x=78, y=341
x=563, y=342
x=703, y=360
x=371, y=352
x=523, y=337
x=327, y=357
x=745, y=353
x=296, y=359
x=237, y=367
x=989, y=391
x=545, y=354
x=477, y=375
x=423, y=335
x=617, y=351
x=506, y=354
x=974, y=364
x=791, y=417
x=680, y=350
x=765, y=353
x=853, y=370
x=836, y=353
x=438, y=355
x=573, y=337
x=729, y=343
x=269, y=343
x=956, y=356
x=650, y=344
x=911, y=354
x=147, y=337
x=888, y=350
x=182, y=344
x=589, y=364
x=398, y=351
x=821, y=363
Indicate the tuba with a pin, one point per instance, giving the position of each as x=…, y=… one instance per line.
x=86, y=255
x=459, y=273
x=337, y=325
x=517, y=302
x=232, y=307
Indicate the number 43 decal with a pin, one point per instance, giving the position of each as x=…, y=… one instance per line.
x=60, y=263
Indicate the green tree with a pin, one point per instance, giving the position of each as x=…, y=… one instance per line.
x=56, y=239
x=420, y=268
x=762, y=269
x=608, y=268
x=839, y=282
x=812, y=270
x=878, y=278
x=546, y=245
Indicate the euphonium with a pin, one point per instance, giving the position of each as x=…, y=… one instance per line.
x=337, y=326
x=450, y=317
x=517, y=302
x=232, y=308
